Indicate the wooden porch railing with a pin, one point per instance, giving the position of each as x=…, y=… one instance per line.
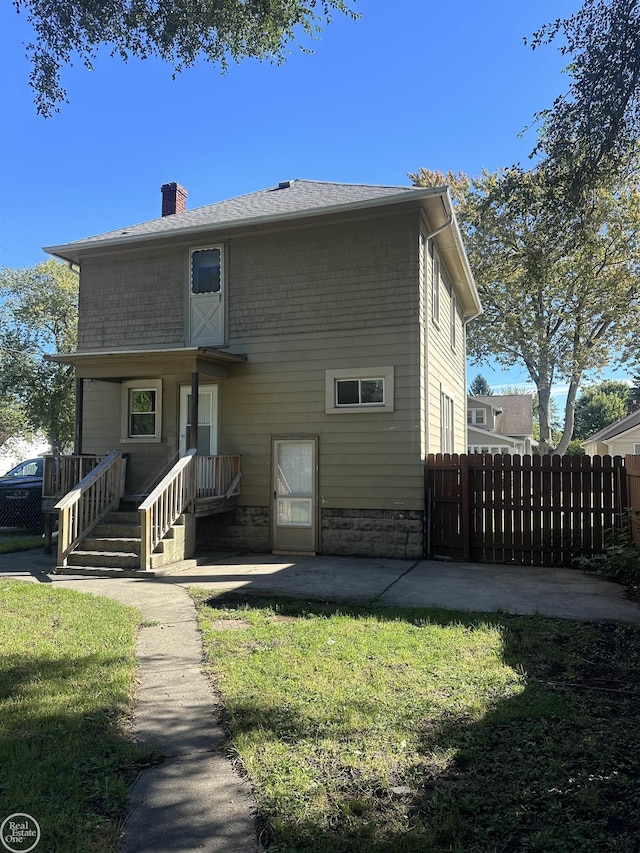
x=217, y=476
x=63, y=473
x=83, y=507
x=162, y=508
x=191, y=478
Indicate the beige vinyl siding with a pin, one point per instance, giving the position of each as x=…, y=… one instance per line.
x=280, y=392
x=445, y=368
x=625, y=444
x=102, y=430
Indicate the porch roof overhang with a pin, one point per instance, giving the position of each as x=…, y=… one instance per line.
x=488, y=437
x=119, y=365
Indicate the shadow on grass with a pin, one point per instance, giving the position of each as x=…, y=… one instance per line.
x=64, y=756
x=555, y=768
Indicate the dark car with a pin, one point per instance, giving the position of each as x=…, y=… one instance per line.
x=21, y=496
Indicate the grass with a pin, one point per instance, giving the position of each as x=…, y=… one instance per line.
x=66, y=688
x=379, y=729
x=23, y=542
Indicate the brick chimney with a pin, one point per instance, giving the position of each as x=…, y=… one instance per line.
x=174, y=199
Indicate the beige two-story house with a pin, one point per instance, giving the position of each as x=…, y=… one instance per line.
x=315, y=331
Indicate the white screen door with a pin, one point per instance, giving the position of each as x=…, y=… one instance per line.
x=206, y=298
x=207, y=419
x=294, y=495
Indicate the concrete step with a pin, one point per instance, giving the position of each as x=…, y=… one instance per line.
x=102, y=572
x=118, y=517
x=105, y=559
x=115, y=530
x=122, y=545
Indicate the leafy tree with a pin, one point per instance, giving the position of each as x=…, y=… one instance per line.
x=561, y=301
x=480, y=387
x=591, y=132
x=39, y=316
x=600, y=405
x=177, y=32
x=13, y=423
x=634, y=391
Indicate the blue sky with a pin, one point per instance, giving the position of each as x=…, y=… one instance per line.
x=412, y=83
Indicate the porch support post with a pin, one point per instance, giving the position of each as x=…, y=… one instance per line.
x=77, y=440
x=193, y=411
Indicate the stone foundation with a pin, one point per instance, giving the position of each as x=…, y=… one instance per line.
x=373, y=533
x=247, y=528
x=346, y=532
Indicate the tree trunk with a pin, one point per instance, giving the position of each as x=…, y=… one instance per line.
x=544, y=417
x=569, y=416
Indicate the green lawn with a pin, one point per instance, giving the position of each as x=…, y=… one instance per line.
x=66, y=685
x=388, y=730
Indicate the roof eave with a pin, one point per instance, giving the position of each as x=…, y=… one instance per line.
x=72, y=251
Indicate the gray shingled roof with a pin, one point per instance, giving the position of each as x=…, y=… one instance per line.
x=288, y=198
x=516, y=417
x=616, y=428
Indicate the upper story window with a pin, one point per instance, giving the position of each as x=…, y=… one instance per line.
x=435, y=288
x=454, y=319
x=206, y=271
x=476, y=416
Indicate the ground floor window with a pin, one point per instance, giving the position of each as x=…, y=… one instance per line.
x=446, y=418
x=359, y=389
x=141, y=410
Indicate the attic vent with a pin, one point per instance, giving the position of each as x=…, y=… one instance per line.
x=284, y=185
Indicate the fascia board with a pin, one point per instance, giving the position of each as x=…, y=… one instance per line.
x=72, y=251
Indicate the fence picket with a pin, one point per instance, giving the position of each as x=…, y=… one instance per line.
x=528, y=510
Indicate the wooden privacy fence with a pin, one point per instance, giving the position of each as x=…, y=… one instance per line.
x=526, y=510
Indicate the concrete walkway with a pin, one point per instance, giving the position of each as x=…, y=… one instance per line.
x=194, y=800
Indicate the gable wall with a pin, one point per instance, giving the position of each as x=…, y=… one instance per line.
x=445, y=366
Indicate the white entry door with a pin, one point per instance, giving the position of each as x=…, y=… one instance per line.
x=294, y=495
x=207, y=419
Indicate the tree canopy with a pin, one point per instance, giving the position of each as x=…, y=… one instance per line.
x=480, y=387
x=562, y=302
x=39, y=316
x=177, y=32
x=600, y=405
x=591, y=132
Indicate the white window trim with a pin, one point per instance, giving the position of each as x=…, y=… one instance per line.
x=454, y=319
x=636, y=449
x=472, y=417
x=436, y=284
x=384, y=373
x=447, y=421
x=141, y=385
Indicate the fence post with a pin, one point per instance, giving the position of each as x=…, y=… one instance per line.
x=632, y=468
x=464, y=507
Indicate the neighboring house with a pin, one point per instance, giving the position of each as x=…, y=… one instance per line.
x=620, y=438
x=500, y=424
x=317, y=330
